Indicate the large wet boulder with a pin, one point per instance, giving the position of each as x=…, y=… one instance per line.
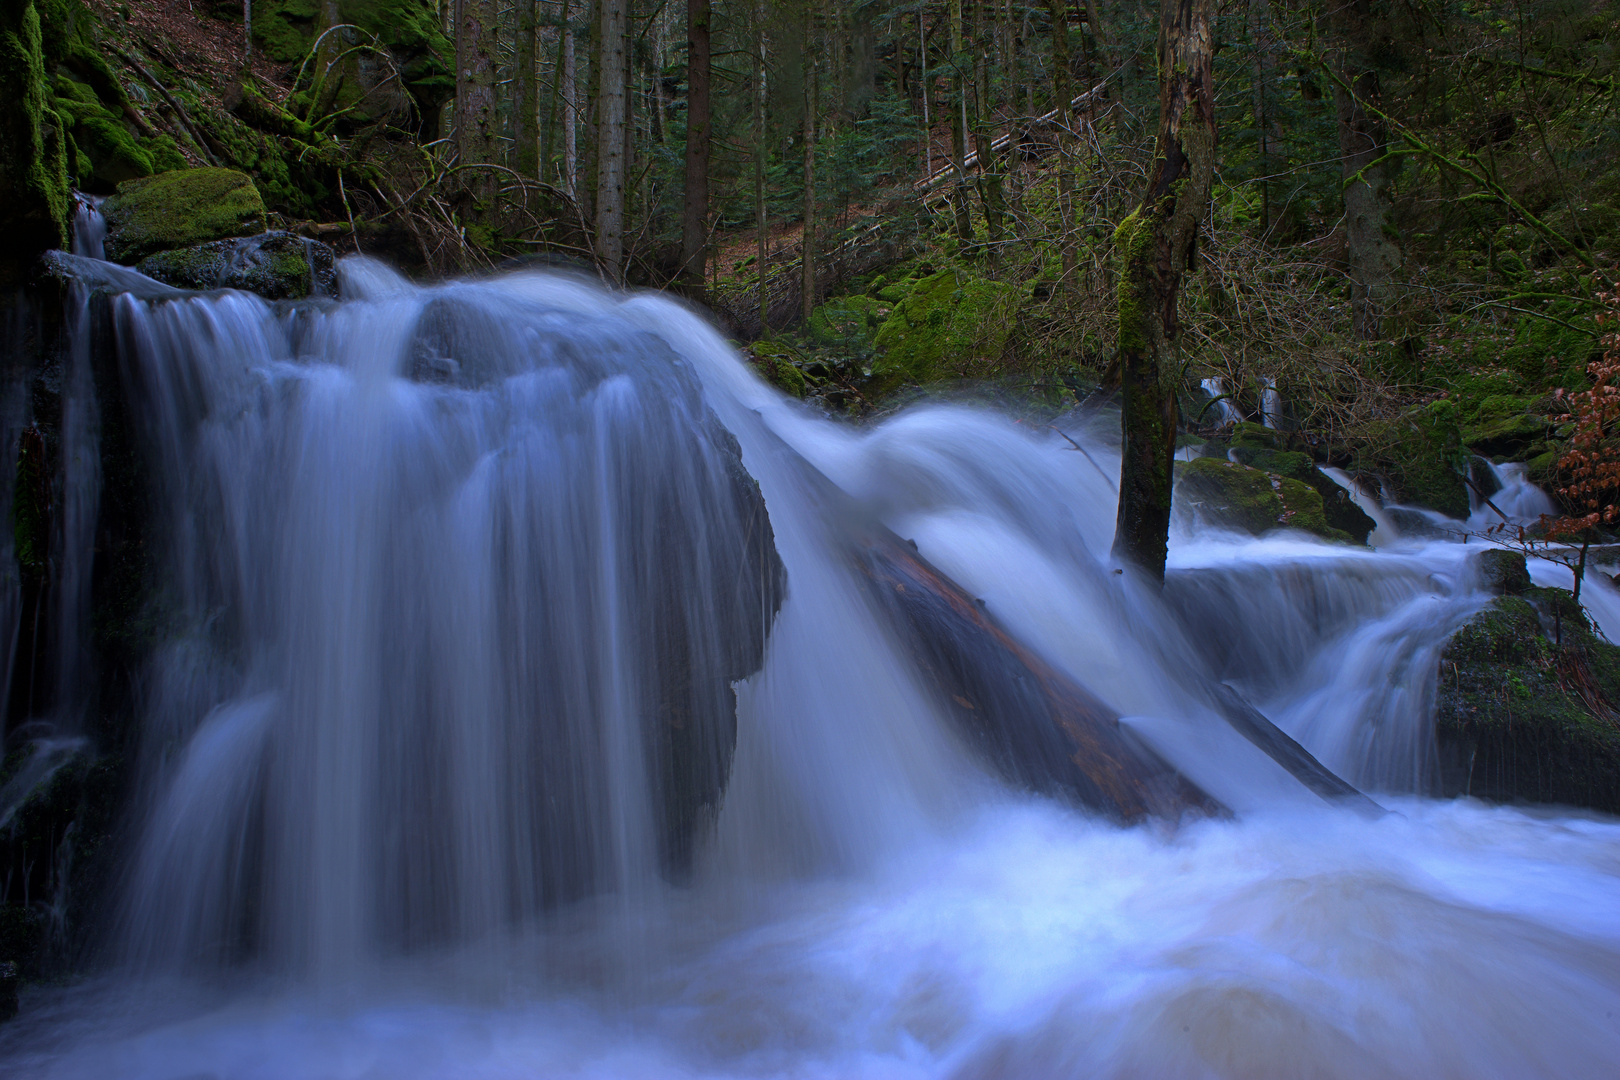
x=276, y=265
x=1421, y=454
x=1526, y=704
x=949, y=324
x=1506, y=428
x=180, y=209
x=1338, y=510
x=1251, y=500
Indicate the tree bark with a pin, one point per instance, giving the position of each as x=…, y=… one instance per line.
x=477, y=127
x=570, y=110
x=1153, y=248
x=610, y=149
x=760, y=219
x=695, y=208
x=808, y=263
x=526, y=91
x=959, y=126
x=1371, y=255
x=1063, y=89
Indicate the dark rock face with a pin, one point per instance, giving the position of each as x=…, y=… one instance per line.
x=180, y=209
x=1504, y=571
x=1525, y=709
x=276, y=265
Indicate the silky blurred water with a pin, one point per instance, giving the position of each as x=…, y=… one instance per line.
x=868, y=902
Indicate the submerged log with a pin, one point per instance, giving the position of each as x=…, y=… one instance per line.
x=1039, y=728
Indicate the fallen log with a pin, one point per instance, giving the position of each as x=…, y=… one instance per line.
x=1036, y=726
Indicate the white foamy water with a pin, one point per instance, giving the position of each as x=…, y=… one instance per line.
x=411, y=537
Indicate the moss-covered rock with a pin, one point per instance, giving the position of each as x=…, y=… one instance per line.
x=1504, y=572
x=948, y=325
x=1338, y=509
x=1525, y=709
x=180, y=209
x=411, y=30
x=1239, y=497
x=276, y=265
x=34, y=194
x=1421, y=453
x=781, y=366
x=105, y=152
x=1503, y=427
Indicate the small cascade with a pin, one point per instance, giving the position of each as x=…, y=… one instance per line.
x=1270, y=402
x=89, y=227
x=1225, y=412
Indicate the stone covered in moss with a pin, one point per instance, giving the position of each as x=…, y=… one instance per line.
x=1338, y=509
x=33, y=171
x=277, y=266
x=1421, y=452
x=949, y=324
x=1504, y=428
x=1525, y=708
x=411, y=30
x=180, y=209
x=105, y=153
x=1236, y=496
x=1504, y=572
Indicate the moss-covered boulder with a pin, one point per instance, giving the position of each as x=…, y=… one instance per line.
x=33, y=174
x=1504, y=427
x=949, y=324
x=412, y=32
x=276, y=265
x=1504, y=572
x=1421, y=453
x=1251, y=500
x=1338, y=509
x=1525, y=708
x=180, y=209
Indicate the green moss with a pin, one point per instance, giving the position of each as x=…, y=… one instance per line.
x=33, y=149
x=1422, y=454
x=1340, y=514
x=1522, y=717
x=180, y=209
x=948, y=325
x=1133, y=239
x=780, y=364
x=411, y=30
x=277, y=266
x=1236, y=496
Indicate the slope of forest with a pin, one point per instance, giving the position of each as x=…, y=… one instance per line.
x=1411, y=202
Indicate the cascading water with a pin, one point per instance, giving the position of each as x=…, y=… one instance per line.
x=453, y=569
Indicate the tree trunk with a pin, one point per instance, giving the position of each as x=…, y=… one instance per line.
x=990, y=193
x=570, y=111
x=808, y=263
x=1063, y=89
x=526, y=91
x=1153, y=248
x=477, y=127
x=959, y=126
x=695, y=208
x=760, y=219
x=1371, y=255
x=1265, y=64
x=611, y=72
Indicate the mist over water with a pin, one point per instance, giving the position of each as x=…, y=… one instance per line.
x=399, y=819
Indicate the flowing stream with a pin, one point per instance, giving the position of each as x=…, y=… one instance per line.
x=435, y=555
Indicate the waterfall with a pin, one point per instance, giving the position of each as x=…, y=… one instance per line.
x=517, y=709
x=1225, y=411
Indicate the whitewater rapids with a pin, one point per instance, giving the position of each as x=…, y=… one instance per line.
x=871, y=904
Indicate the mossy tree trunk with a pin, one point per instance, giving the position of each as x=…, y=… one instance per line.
x=612, y=71
x=695, y=203
x=526, y=90
x=807, y=264
x=1371, y=255
x=1063, y=89
x=33, y=173
x=1153, y=248
x=477, y=126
